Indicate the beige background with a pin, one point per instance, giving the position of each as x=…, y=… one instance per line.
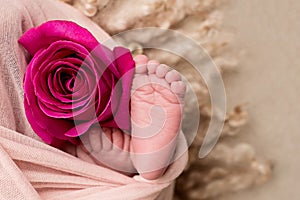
x=268, y=79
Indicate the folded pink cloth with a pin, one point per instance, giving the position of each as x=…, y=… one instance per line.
x=31, y=169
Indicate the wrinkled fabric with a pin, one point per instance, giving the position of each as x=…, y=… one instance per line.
x=31, y=169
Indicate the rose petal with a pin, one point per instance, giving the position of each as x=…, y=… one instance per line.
x=43, y=125
x=44, y=35
x=121, y=97
x=80, y=128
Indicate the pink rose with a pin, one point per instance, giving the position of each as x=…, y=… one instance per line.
x=71, y=82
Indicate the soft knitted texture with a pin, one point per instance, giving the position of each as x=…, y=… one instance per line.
x=31, y=169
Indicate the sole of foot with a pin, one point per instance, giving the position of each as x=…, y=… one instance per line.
x=156, y=110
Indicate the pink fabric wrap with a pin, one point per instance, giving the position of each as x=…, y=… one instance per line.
x=31, y=169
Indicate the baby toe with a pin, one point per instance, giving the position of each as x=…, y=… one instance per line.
x=85, y=140
x=172, y=76
x=162, y=70
x=127, y=141
x=141, y=64
x=117, y=138
x=141, y=59
x=107, y=139
x=151, y=66
x=95, y=139
x=141, y=69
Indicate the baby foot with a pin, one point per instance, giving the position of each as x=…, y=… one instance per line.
x=156, y=110
x=108, y=147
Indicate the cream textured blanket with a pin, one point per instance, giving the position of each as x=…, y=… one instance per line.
x=30, y=169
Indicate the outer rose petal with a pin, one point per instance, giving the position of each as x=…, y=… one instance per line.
x=41, y=37
x=121, y=99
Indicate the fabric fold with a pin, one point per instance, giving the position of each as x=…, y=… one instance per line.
x=46, y=169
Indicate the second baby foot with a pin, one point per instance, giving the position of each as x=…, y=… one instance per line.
x=108, y=147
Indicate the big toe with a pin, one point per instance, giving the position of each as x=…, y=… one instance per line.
x=141, y=64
